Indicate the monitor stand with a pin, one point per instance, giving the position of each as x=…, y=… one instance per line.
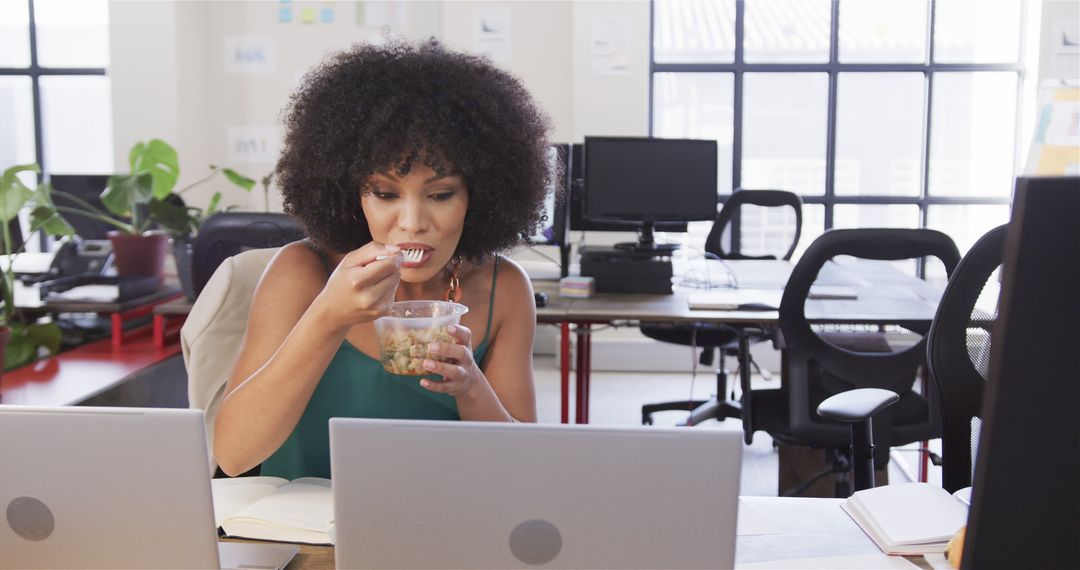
x=646, y=244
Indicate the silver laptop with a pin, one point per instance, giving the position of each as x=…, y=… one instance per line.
x=84, y=487
x=423, y=494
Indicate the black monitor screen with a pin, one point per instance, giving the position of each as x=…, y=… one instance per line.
x=650, y=179
x=88, y=187
x=576, y=193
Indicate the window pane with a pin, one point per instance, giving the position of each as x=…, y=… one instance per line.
x=965, y=225
x=764, y=231
x=694, y=31
x=876, y=31
x=972, y=134
x=14, y=34
x=966, y=32
x=77, y=122
x=787, y=31
x=784, y=131
x=875, y=216
x=72, y=33
x=17, y=116
x=879, y=131
x=813, y=225
x=697, y=106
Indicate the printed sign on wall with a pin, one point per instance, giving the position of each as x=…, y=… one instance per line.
x=491, y=32
x=249, y=54
x=253, y=144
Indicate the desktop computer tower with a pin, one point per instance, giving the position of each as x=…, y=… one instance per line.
x=626, y=271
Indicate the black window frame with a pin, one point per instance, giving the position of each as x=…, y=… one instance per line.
x=35, y=72
x=929, y=68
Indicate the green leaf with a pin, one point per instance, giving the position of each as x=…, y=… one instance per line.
x=125, y=191
x=45, y=334
x=9, y=174
x=174, y=218
x=20, y=349
x=48, y=219
x=160, y=160
x=214, y=200
x=13, y=196
x=238, y=179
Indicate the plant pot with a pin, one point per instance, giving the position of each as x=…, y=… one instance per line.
x=183, y=247
x=139, y=255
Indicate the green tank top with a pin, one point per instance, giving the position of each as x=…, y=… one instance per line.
x=356, y=385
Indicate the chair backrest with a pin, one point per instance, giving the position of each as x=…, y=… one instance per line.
x=819, y=365
x=731, y=211
x=226, y=234
x=958, y=353
x=213, y=333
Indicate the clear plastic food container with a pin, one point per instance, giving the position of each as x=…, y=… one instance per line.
x=404, y=333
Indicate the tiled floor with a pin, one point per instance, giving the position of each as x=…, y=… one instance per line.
x=617, y=397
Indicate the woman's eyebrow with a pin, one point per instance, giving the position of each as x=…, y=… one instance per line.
x=441, y=176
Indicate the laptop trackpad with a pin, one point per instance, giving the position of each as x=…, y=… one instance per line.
x=255, y=556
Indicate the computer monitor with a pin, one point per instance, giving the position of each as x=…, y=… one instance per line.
x=576, y=202
x=553, y=230
x=1025, y=509
x=87, y=187
x=649, y=180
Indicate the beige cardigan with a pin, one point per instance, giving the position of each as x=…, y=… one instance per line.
x=214, y=332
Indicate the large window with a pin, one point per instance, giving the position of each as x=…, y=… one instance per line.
x=884, y=113
x=54, y=92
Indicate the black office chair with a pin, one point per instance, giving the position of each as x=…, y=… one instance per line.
x=819, y=364
x=226, y=234
x=958, y=356
x=713, y=337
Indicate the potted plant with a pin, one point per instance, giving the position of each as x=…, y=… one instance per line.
x=20, y=339
x=182, y=221
x=137, y=201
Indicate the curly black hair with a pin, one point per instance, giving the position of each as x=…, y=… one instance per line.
x=378, y=108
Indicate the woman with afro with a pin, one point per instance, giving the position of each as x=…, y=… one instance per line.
x=410, y=168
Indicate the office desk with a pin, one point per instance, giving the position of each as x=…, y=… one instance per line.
x=886, y=296
x=797, y=528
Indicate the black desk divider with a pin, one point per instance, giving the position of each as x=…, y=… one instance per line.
x=1026, y=499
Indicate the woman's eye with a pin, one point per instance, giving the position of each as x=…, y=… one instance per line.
x=440, y=196
x=383, y=195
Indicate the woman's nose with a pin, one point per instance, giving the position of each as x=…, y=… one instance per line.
x=412, y=218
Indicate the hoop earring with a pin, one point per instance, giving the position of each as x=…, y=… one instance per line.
x=453, y=293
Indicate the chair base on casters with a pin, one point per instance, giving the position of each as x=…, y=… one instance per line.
x=700, y=410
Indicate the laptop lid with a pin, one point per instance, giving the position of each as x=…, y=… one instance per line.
x=85, y=487
x=425, y=494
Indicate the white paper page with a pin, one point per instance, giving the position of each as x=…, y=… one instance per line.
x=753, y=523
x=231, y=495
x=100, y=293
x=963, y=495
x=735, y=299
x=867, y=562
x=913, y=513
x=306, y=503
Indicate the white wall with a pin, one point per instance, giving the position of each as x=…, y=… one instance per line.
x=169, y=79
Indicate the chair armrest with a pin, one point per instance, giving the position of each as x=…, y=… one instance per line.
x=856, y=405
